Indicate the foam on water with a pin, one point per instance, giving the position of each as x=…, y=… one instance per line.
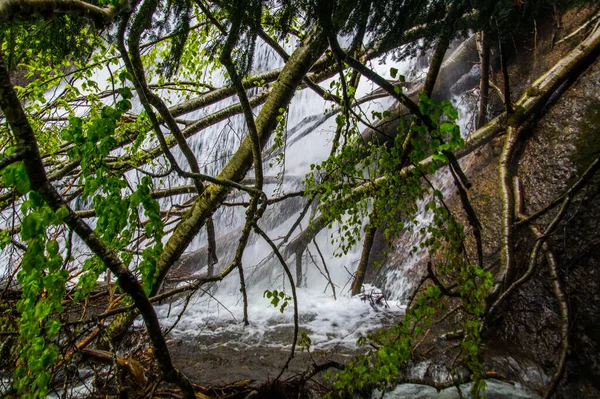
x=494, y=389
x=327, y=322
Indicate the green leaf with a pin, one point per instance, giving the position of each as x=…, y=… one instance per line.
x=52, y=247
x=15, y=175
x=62, y=213
x=440, y=157
x=32, y=226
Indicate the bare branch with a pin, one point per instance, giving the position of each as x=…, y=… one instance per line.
x=12, y=158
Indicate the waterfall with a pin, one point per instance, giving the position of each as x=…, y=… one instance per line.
x=215, y=311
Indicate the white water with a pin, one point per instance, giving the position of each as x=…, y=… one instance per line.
x=328, y=321
x=494, y=389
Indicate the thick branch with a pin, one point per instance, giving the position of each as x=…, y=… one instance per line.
x=361, y=271
x=532, y=101
x=148, y=98
x=227, y=61
x=296, y=68
x=12, y=158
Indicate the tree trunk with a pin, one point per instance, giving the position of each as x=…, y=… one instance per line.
x=361, y=271
x=568, y=68
x=299, y=268
x=290, y=78
x=36, y=173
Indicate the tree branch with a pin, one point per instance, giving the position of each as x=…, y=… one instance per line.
x=294, y=296
x=12, y=158
x=101, y=16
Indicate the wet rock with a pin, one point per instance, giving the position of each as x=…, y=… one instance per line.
x=523, y=341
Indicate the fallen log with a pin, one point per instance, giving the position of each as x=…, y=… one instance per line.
x=134, y=369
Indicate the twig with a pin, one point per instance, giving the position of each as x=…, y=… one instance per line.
x=294, y=296
x=471, y=215
x=533, y=256
x=559, y=292
x=578, y=185
x=185, y=305
x=579, y=29
x=325, y=267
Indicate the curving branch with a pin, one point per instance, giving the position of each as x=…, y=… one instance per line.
x=294, y=296
x=540, y=241
x=399, y=96
x=12, y=158
x=133, y=62
x=34, y=168
x=528, y=105
x=578, y=185
x=301, y=61
x=557, y=286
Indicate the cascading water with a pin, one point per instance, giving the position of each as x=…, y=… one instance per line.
x=329, y=321
x=310, y=125
x=213, y=314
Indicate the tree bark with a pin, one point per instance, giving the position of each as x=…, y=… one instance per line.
x=361, y=271
x=531, y=102
x=290, y=78
x=212, y=247
x=293, y=73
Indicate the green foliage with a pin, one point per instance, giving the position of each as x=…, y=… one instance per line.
x=304, y=341
x=47, y=41
x=62, y=53
x=117, y=217
x=376, y=179
x=42, y=278
x=279, y=139
x=278, y=297
x=42, y=274
x=15, y=175
x=359, y=177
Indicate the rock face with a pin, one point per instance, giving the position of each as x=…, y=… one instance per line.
x=523, y=340
x=562, y=146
